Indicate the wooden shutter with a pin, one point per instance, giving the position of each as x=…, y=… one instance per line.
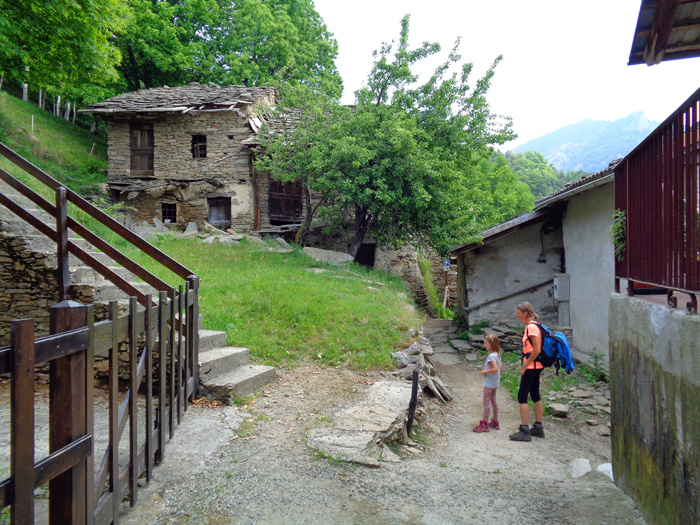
x=141, y=146
x=285, y=204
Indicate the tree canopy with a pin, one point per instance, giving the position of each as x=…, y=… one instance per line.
x=410, y=162
x=61, y=42
x=538, y=173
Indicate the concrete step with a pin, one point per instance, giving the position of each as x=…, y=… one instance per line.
x=211, y=339
x=218, y=361
x=241, y=382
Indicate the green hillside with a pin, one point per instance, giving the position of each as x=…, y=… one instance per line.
x=590, y=145
x=67, y=152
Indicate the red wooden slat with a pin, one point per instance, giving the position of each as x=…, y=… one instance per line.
x=180, y=357
x=22, y=423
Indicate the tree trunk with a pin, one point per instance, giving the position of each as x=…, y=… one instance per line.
x=0, y=80
x=25, y=92
x=75, y=111
x=308, y=217
x=66, y=114
x=362, y=220
x=57, y=106
x=93, y=127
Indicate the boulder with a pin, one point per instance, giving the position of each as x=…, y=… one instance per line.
x=328, y=256
x=558, y=410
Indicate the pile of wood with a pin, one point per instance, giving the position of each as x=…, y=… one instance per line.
x=417, y=357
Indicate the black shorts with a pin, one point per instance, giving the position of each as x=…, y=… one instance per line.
x=530, y=384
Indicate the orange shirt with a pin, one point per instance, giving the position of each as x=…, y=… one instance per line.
x=531, y=330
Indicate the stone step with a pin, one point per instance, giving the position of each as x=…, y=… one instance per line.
x=210, y=339
x=242, y=381
x=86, y=275
x=105, y=291
x=218, y=361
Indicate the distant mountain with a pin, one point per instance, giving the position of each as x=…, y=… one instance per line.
x=591, y=145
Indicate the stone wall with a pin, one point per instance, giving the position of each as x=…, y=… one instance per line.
x=655, y=385
x=27, y=286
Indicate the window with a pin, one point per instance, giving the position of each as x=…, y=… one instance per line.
x=169, y=211
x=219, y=212
x=141, y=148
x=199, y=146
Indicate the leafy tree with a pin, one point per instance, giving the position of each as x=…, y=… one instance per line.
x=265, y=40
x=166, y=41
x=406, y=162
x=248, y=42
x=536, y=171
x=60, y=43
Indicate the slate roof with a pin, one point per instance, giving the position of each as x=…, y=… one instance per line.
x=192, y=97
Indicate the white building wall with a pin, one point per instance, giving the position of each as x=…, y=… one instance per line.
x=509, y=265
x=591, y=266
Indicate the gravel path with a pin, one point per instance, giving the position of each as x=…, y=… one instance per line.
x=251, y=465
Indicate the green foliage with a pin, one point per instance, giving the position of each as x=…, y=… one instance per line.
x=618, y=232
x=421, y=435
x=434, y=297
x=332, y=460
x=534, y=170
x=248, y=42
x=478, y=328
x=405, y=163
x=595, y=368
x=61, y=44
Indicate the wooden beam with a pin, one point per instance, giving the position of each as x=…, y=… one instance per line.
x=661, y=28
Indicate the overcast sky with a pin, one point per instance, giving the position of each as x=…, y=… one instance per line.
x=562, y=62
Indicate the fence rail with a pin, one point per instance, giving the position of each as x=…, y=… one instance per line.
x=657, y=187
x=86, y=485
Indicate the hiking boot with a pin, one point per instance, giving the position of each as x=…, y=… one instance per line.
x=483, y=426
x=537, y=430
x=494, y=424
x=523, y=434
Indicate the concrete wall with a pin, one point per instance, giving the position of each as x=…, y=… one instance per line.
x=511, y=264
x=655, y=387
x=590, y=264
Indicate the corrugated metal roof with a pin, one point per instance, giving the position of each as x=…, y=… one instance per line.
x=666, y=30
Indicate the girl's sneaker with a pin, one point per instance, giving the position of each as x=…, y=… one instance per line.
x=494, y=424
x=483, y=426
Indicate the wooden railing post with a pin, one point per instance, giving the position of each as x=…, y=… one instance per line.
x=22, y=422
x=62, y=244
x=68, y=417
x=193, y=318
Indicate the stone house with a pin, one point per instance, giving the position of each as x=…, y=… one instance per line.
x=558, y=257
x=178, y=155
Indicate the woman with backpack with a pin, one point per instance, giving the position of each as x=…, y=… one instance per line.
x=530, y=371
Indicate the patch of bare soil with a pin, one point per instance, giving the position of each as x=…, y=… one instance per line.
x=251, y=464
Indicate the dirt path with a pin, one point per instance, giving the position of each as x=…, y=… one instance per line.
x=222, y=468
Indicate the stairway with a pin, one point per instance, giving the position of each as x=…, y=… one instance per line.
x=225, y=372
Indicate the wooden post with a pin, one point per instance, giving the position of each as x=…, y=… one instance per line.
x=62, y=244
x=22, y=422
x=194, y=280
x=462, y=300
x=67, y=417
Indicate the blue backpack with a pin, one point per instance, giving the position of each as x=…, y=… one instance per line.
x=555, y=350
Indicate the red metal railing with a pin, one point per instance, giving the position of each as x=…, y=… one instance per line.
x=656, y=185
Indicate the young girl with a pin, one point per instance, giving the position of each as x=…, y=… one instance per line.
x=492, y=378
